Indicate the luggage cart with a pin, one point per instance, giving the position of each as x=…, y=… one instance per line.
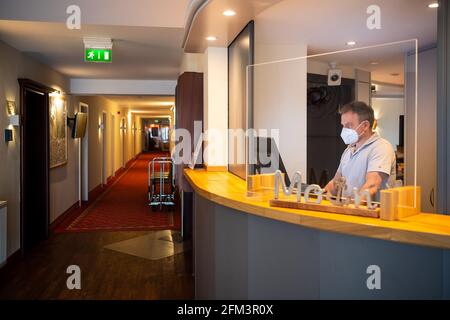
x=165, y=179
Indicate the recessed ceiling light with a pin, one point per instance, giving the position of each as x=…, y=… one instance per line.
x=351, y=43
x=374, y=63
x=433, y=5
x=211, y=38
x=229, y=13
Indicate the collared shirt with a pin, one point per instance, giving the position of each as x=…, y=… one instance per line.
x=375, y=155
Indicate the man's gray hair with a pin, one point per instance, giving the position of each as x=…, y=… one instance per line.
x=364, y=111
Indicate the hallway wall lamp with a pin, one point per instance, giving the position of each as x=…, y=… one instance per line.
x=55, y=93
x=14, y=118
x=11, y=107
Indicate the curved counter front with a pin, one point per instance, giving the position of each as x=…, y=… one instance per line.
x=248, y=250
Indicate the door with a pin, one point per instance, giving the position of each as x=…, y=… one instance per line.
x=84, y=159
x=104, y=150
x=34, y=164
x=123, y=131
x=134, y=139
x=112, y=153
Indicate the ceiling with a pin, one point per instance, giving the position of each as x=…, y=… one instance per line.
x=209, y=21
x=148, y=40
x=134, y=13
x=145, y=105
x=147, y=35
x=138, y=52
x=137, y=102
x=325, y=26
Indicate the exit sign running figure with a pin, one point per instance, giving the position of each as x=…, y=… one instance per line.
x=97, y=55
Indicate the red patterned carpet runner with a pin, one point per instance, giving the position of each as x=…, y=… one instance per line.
x=125, y=206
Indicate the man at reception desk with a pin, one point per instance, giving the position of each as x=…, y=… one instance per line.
x=369, y=160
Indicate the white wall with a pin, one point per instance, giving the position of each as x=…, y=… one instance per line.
x=215, y=107
x=14, y=65
x=192, y=62
x=64, y=179
x=98, y=105
x=387, y=112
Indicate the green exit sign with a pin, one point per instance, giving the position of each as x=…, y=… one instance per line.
x=97, y=55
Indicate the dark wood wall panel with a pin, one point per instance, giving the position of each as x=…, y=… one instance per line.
x=189, y=108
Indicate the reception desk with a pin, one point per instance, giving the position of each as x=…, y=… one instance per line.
x=245, y=249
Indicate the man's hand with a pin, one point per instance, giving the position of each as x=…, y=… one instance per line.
x=330, y=186
x=373, y=182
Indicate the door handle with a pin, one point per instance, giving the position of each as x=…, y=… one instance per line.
x=432, y=197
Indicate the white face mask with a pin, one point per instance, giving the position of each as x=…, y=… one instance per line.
x=350, y=136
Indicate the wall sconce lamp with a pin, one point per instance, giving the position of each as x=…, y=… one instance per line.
x=101, y=126
x=55, y=93
x=11, y=107
x=14, y=120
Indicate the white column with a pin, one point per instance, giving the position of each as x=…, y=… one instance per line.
x=215, y=108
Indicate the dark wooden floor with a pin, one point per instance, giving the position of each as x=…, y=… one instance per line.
x=105, y=274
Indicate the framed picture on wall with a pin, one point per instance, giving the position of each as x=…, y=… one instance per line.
x=58, y=130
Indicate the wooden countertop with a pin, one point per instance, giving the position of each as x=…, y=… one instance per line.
x=3, y=204
x=228, y=190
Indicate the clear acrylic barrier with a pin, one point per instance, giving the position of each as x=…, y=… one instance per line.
x=293, y=116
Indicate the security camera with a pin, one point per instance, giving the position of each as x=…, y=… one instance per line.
x=334, y=77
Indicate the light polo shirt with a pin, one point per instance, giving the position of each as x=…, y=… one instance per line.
x=375, y=155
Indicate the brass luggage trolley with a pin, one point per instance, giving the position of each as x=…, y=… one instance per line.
x=162, y=178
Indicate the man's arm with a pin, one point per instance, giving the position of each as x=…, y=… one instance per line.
x=373, y=182
x=379, y=167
